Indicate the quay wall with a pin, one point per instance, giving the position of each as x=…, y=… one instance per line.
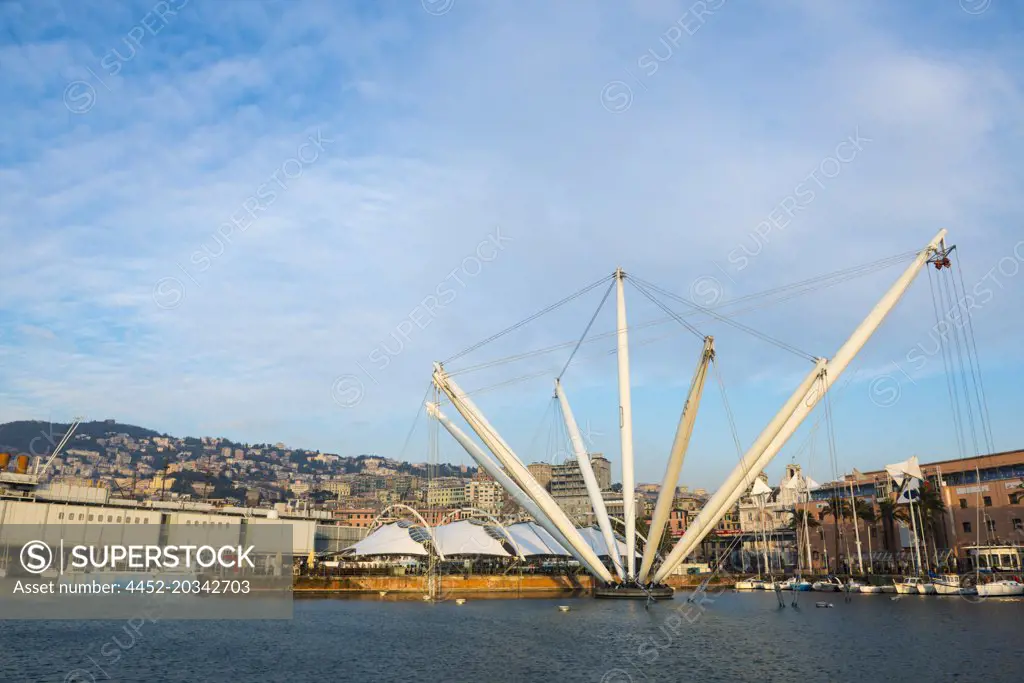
x=458, y=584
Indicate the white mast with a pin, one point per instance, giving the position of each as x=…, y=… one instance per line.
x=856, y=527
x=663, y=507
x=917, y=547
x=835, y=368
x=924, y=540
x=504, y=481
x=587, y=470
x=510, y=461
x=736, y=483
x=625, y=426
x=807, y=540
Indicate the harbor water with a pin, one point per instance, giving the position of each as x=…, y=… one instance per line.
x=729, y=637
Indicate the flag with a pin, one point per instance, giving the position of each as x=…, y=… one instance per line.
x=910, y=492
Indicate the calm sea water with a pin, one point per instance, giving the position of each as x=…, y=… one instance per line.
x=738, y=637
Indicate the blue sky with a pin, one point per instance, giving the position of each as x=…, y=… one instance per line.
x=266, y=220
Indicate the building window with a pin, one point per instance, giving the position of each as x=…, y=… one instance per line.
x=60, y=516
x=119, y=519
x=991, y=524
x=967, y=527
x=988, y=501
x=1017, y=524
x=81, y=516
x=963, y=503
x=90, y=518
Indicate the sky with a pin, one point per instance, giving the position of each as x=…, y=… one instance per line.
x=265, y=221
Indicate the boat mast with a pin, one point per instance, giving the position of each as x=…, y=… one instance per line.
x=663, y=507
x=807, y=533
x=625, y=425
x=913, y=527
x=924, y=541
x=757, y=459
x=856, y=527
x=587, y=470
x=977, y=552
x=764, y=539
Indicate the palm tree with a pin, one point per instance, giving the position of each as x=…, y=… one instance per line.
x=932, y=511
x=865, y=512
x=836, y=509
x=797, y=520
x=891, y=513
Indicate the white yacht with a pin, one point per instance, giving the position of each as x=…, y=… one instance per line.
x=926, y=588
x=749, y=585
x=868, y=588
x=1000, y=588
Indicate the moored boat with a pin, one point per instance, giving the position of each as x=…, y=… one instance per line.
x=870, y=589
x=1000, y=588
x=951, y=584
x=749, y=585
x=830, y=584
x=926, y=588
x=908, y=586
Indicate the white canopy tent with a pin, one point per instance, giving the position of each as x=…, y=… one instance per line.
x=390, y=539
x=534, y=540
x=467, y=538
x=595, y=540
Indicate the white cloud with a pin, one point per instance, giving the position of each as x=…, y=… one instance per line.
x=446, y=128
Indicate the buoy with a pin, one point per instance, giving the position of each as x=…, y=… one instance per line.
x=426, y=598
x=383, y=593
x=460, y=601
x=563, y=608
x=823, y=604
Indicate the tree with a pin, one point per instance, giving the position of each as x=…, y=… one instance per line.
x=932, y=511
x=865, y=512
x=797, y=520
x=891, y=513
x=836, y=509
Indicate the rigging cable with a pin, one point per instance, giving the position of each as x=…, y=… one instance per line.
x=587, y=329
x=948, y=370
x=983, y=402
x=533, y=317
x=807, y=285
x=945, y=284
x=740, y=326
x=672, y=314
x=420, y=409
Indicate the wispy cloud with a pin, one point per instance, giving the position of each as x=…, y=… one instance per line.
x=445, y=119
